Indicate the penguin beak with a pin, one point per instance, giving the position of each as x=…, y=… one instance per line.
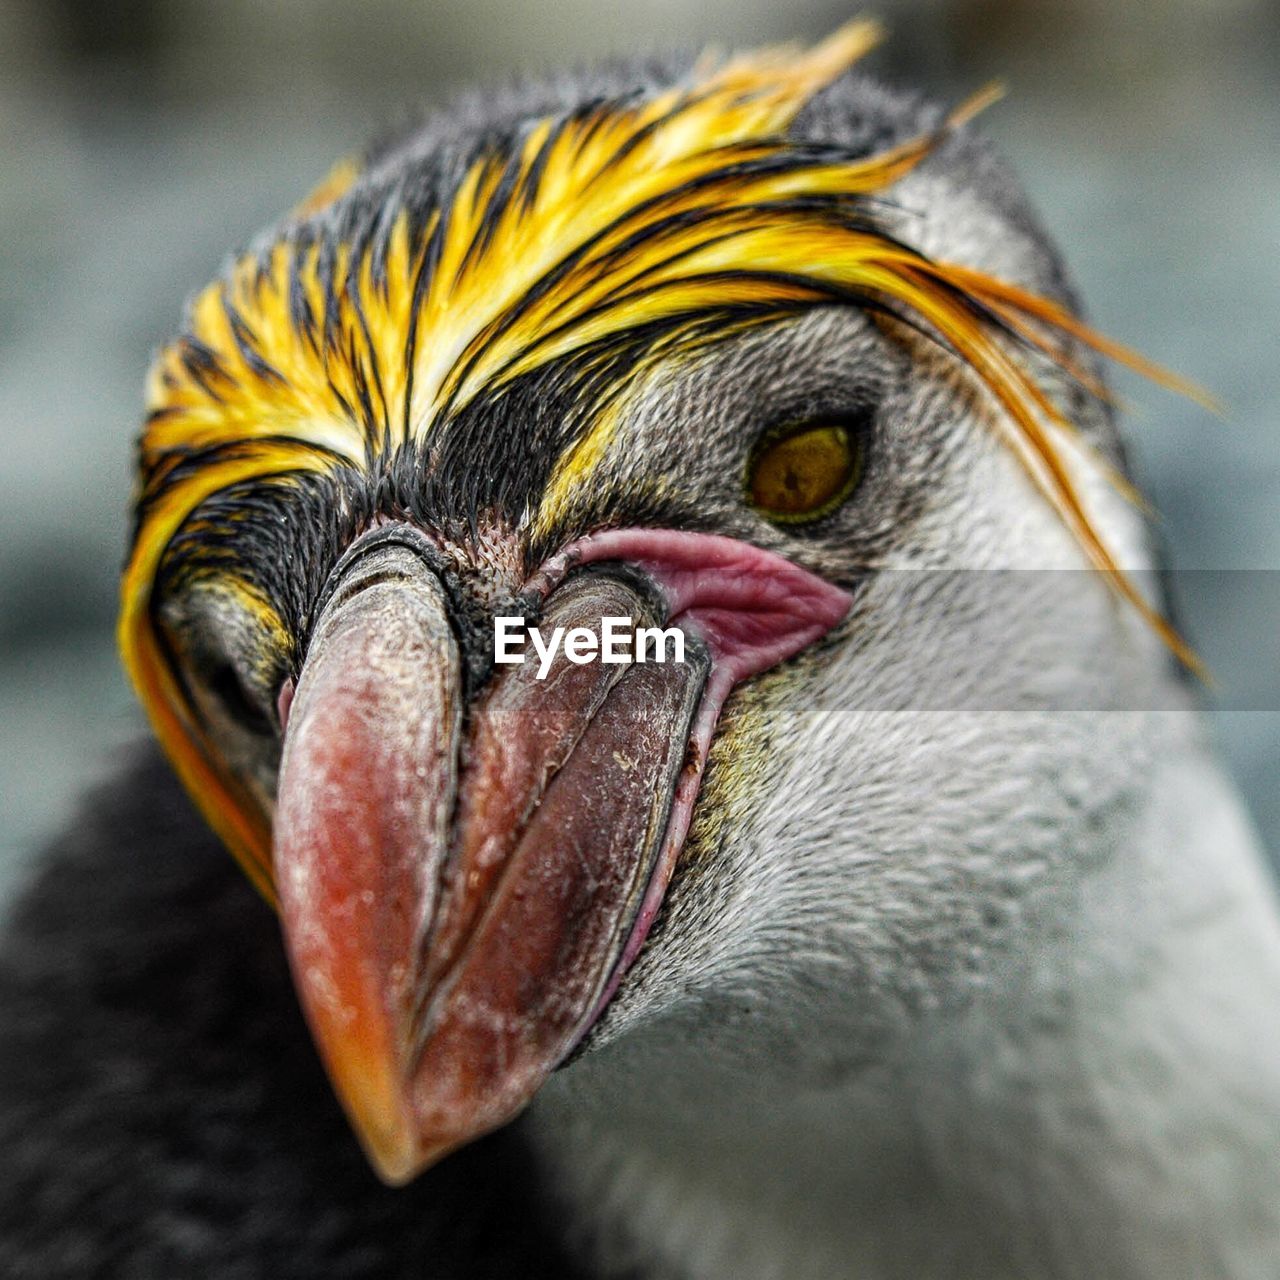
x=461, y=886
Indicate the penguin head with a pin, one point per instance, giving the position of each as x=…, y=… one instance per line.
x=617, y=557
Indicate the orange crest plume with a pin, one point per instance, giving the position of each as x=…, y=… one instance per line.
x=688, y=214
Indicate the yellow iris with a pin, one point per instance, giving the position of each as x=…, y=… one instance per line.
x=804, y=474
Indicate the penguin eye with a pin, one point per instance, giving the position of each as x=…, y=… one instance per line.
x=801, y=473
x=227, y=686
x=229, y=653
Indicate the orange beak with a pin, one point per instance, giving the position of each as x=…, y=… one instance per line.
x=458, y=883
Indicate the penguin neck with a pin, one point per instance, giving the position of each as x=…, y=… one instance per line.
x=1109, y=1106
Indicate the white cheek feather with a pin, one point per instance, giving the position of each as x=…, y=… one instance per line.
x=990, y=955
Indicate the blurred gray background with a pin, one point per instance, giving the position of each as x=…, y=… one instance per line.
x=142, y=139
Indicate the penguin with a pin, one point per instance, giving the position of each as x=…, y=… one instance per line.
x=875, y=908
